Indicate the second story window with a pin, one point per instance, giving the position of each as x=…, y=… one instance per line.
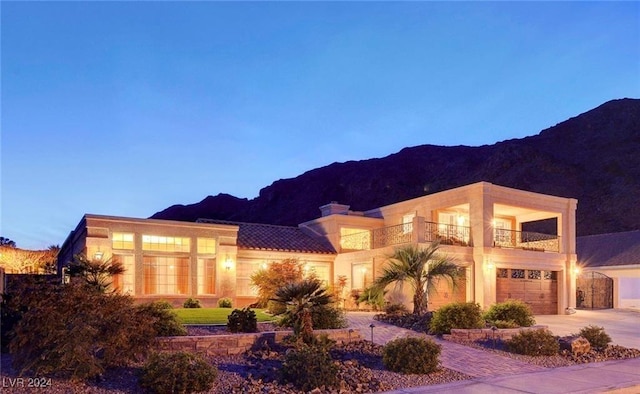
x=122, y=241
x=206, y=246
x=165, y=244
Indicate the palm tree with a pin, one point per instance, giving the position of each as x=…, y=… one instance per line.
x=97, y=273
x=422, y=268
x=300, y=298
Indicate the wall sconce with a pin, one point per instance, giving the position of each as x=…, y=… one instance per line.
x=490, y=264
x=228, y=263
x=576, y=270
x=98, y=255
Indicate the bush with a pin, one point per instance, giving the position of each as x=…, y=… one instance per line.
x=411, y=355
x=225, y=303
x=534, y=343
x=328, y=317
x=77, y=332
x=165, y=321
x=278, y=274
x=597, y=337
x=456, y=315
x=191, y=303
x=514, y=311
x=308, y=367
x=242, y=321
x=505, y=324
x=396, y=309
x=180, y=372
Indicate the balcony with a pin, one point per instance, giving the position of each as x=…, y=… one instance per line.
x=526, y=240
x=447, y=234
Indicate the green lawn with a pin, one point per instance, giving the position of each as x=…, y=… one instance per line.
x=213, y=315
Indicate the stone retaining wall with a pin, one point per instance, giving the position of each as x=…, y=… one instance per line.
x=239, y=343
x=487, y=333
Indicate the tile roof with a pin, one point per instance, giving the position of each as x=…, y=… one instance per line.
x=277, y=238
x=609, y=249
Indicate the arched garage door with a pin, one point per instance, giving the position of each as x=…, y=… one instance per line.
x=594, y=291
x=539, y=289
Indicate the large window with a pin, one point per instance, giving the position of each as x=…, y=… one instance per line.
x=362, y=274
x=122, y=241
x=125, y=283
x=165, y=244
x=166, y=275
x=206, y=246
x=321, y=271
x=206, y=276
x=243, y=280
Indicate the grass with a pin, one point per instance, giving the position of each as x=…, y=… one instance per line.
x=213, y=315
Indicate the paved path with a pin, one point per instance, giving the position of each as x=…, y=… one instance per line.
x=465, y=359
x=495, y=374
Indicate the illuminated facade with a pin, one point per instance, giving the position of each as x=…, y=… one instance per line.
x=489, y=230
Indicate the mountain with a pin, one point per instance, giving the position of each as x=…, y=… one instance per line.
x=594, y=157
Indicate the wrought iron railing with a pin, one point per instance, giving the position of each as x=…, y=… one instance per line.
x=448, y=234
x=526, y=240
x=356, y=241
x=392, y=235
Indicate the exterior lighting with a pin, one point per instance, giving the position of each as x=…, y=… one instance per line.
x=228, y=263
x=576, y=270
x=98, y=255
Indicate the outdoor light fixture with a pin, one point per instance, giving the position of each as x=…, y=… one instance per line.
x=576, y=270
x=98, y=255
x=228, y=263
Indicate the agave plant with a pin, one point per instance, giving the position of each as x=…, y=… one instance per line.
x=300, y=298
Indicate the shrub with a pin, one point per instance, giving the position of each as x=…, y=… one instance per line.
x=515, y=311
x=276, y=275
x=374, y=297
x=597, y=337
x=310, y=366
x=165, y=321
x=534, y=343
x=328, y=317
x=180, y=372
x=225, y=303
x=411, y=355
x=242, y=321
x=78, y=332
x=396, y=309
x=505, y=324
x=456, y=315
x=191, y=303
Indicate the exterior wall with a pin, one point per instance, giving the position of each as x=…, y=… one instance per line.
x=626, y=284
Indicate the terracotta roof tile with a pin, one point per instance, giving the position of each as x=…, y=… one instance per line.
x=609, y=249
x=277, y=238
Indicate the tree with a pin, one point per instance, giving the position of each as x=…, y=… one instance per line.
x=422, y=268
x=276, y=275
x=300, y=299
x=24, y=261
x=7, y=242
x=97, y=273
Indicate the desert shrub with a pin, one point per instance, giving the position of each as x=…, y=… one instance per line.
x=225, y=303
x=276, y=308
x=374, y=297
x=242, y=320
x=411, y=355
x=534, y=343
x=276, y=275
x=511, y=310
x=180, y=372
x=597, y=337
x=456, y=315
x=396, y=309
x=78, y=332
x=505, y=324
x=411, y=321
x=310, y=366
x=165, y=321
x=328, y=317
x=192, y=303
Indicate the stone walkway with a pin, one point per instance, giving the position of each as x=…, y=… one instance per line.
x=470, y=361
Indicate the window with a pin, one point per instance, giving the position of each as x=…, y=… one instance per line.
x=206, y=246
x=362, y=274
x=502, y=273
x=407, y=223
x=355, y=239
x=534, y=274
x=166, y=275
x=321, y=271
x=165, y=244
x=122, y=241
x=125, y=283
x=517, y=274
x=244, y=270
x=206, y=276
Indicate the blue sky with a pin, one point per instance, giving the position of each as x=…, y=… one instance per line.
x=125, y=108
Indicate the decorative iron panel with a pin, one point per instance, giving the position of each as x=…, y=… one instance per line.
x=594, y=291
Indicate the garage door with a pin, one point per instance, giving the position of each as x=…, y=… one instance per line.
x=444, y=294
x=539, y=289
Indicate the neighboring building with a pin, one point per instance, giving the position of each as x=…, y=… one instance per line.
x=610, y=266
x=480, y=225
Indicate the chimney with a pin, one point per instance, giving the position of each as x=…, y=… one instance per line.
x=333, y=208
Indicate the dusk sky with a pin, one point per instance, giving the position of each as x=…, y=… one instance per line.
x=126, y=108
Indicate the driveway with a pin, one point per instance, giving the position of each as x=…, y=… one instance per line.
x=622, y=325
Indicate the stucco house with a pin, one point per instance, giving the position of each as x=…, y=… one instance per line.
x=610, y=265
x=479, y=225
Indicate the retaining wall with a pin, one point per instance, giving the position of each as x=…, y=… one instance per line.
x=487, y=333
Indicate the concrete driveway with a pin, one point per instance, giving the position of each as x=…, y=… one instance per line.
x=622, y=325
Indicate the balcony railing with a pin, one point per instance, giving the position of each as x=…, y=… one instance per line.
x=526, y=240
x=392, y=235
x=448, y=234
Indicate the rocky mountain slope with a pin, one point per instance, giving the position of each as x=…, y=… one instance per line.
x=594, y=157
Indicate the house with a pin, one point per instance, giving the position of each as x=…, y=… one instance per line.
x=610, y=265
x=484, y=227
